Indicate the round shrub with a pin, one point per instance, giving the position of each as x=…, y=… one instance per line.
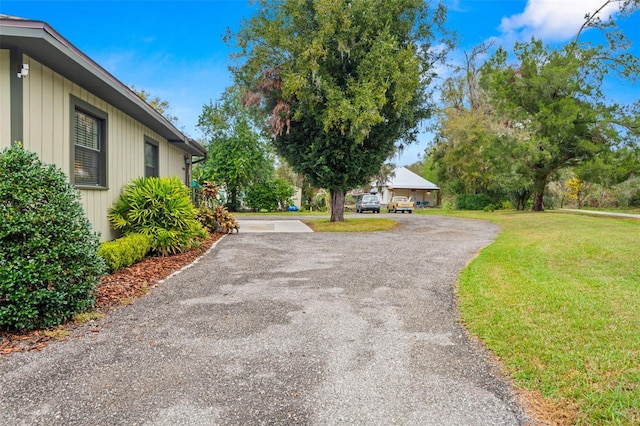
x=160, y=207
x=49, y=265
x=489, y=208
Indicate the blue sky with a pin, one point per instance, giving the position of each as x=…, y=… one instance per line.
x=174, y=49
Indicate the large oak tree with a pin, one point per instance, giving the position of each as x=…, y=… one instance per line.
x=341, y=81
x=556, y=97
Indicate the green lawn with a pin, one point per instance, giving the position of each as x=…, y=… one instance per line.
x=557, y=298
x=632, y=210
x=359, y=224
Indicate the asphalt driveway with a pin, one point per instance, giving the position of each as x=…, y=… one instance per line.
x=281, y=329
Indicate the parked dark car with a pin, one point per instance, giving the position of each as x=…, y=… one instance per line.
x=368, y=202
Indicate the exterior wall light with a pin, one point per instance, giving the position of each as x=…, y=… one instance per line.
x=24, y=71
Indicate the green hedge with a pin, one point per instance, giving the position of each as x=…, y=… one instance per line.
x=473, y=201
x=49, y=265
x=125, y=251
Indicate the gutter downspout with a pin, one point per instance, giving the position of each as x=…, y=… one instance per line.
x=16, y=97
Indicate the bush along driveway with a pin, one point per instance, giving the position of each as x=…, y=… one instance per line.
x=278, y=328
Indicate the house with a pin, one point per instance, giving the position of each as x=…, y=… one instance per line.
x=69, y=110
x=405, y=182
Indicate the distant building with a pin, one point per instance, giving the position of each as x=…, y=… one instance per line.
x=413, y=186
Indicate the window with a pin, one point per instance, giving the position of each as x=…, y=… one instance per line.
x=89, y=145
x=150, y=158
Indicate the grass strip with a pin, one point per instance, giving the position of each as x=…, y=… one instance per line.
x=352, y=225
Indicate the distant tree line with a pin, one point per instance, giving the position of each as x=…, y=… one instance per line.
x=539, y=130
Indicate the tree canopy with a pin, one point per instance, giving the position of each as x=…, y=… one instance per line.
x=341, y=81
x=514, y=123
x=552, y=97
x=237, y=154
x=157, y=103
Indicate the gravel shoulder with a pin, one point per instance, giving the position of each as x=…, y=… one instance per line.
x=280, y=328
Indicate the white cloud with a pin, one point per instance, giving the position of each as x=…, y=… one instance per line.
x=552, y=20
x=454, y=6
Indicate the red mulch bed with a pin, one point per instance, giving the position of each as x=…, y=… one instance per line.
x=114, y=290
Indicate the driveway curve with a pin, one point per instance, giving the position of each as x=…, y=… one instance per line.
x=281, y=329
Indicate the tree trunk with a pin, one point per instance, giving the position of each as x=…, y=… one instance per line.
x=337, y=205
x=539, y=185
x=537, y=201
x=232, y=202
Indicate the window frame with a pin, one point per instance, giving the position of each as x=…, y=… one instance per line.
x=155, y=144
x=78, y=105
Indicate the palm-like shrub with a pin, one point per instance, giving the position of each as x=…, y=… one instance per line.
x=49, y=265
x=159, y=207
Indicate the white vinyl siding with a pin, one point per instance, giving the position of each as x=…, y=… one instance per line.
x=172, y=162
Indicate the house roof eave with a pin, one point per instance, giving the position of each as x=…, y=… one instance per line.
x=41, y=42
x=191, y=146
